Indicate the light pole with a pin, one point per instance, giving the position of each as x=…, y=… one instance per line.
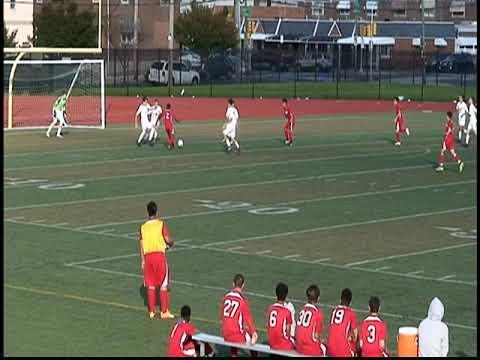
x=371, y=43
x=423, y=44
x=170, y=44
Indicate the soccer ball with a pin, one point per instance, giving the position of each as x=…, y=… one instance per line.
x=180, y=143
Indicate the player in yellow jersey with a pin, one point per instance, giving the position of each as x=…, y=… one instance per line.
x=154, y=241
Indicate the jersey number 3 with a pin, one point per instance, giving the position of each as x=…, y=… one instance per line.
x=371, y=334
x=230, y=307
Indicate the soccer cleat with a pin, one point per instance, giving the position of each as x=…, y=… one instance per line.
x=139, y=144
x=287, y=142
x=398, y=143
x=290, y=143
x=151, y=315
x=461, y=165
x=439, y=168
x=48, y=134
x=166, y=315
x=407, y=131
x=60, y=136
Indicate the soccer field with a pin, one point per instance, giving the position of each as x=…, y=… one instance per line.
x=342, y=208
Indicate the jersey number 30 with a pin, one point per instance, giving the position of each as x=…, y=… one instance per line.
x=304, y=318
x=230, y=307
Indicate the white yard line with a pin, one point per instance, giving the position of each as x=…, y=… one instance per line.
x=339, y=226
x=210, y=169
x=214, y=246
x=196, y=154
x=263, y=252
x=446, y=277
x=383, y=268
x=196, y=125
x=229, y=186
x=415, y=272
x=244, y=208
x=104, y=259
x=292, y=256
x=321, y=260
x=367, y=261
x=258, y=295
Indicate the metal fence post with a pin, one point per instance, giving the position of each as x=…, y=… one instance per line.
x=114, y=67
x=379, y=80
x=170, y=71
x=338, y=66
x=136, y=66
x=296, y=75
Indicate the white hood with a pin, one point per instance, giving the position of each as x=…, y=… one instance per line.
x=433, y=333
x=436, y=310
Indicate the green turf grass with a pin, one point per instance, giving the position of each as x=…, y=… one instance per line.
x=357, y=204
x=326, y=90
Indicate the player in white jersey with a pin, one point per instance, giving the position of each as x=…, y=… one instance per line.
x=143, y=111
x=462, y=110
x=472, y=121
x=230, y=127
x=155, y=115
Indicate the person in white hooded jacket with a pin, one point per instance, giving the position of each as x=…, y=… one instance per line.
x=433, y=333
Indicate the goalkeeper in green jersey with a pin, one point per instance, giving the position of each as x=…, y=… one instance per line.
x=59, y=113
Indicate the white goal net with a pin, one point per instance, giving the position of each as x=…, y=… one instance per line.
x=34, y=85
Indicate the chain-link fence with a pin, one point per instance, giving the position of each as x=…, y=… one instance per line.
x=306, y=71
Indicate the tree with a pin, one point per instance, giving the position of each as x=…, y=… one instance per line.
x=60, y=24
x=200, y=28
x=9, y=38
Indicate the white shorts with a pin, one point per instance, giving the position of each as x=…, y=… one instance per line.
x=472, y=126
x=58, y=116
x=230, y=130
x=462, y=120
x=146, y=124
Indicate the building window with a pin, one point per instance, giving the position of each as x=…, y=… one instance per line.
x=457, y=9
x=343, y=8
x=400, y=12
x=429, y=13
x=318, y=8
x=458, y=14
x=371, y=7
x=12, y=4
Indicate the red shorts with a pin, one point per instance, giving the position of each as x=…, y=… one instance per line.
x=400, y=125
x=155, y=270
x=169, y=129
x=289, y=126
x=448, y=143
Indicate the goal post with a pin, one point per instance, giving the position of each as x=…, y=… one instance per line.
x=34, y=85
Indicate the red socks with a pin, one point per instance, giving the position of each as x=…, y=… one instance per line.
x=164, y=300
x=152, y=299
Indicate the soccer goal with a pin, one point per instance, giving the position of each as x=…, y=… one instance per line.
x=32, y=86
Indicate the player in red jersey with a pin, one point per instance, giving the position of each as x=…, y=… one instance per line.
x=290, y=124
x=343, y=332
x=169, y=119
x=180, y=342
x=280, y=320
x=449, y=144
x=309, y=326
x=373, y=332
x=399, y=122
x=236, y=318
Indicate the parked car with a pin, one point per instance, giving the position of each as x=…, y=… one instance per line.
x=181, y=73
x=457, y=63
x=322, y=62
x=274, y=61
x=433, y=63
x=192, y=58
x=218, y=66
